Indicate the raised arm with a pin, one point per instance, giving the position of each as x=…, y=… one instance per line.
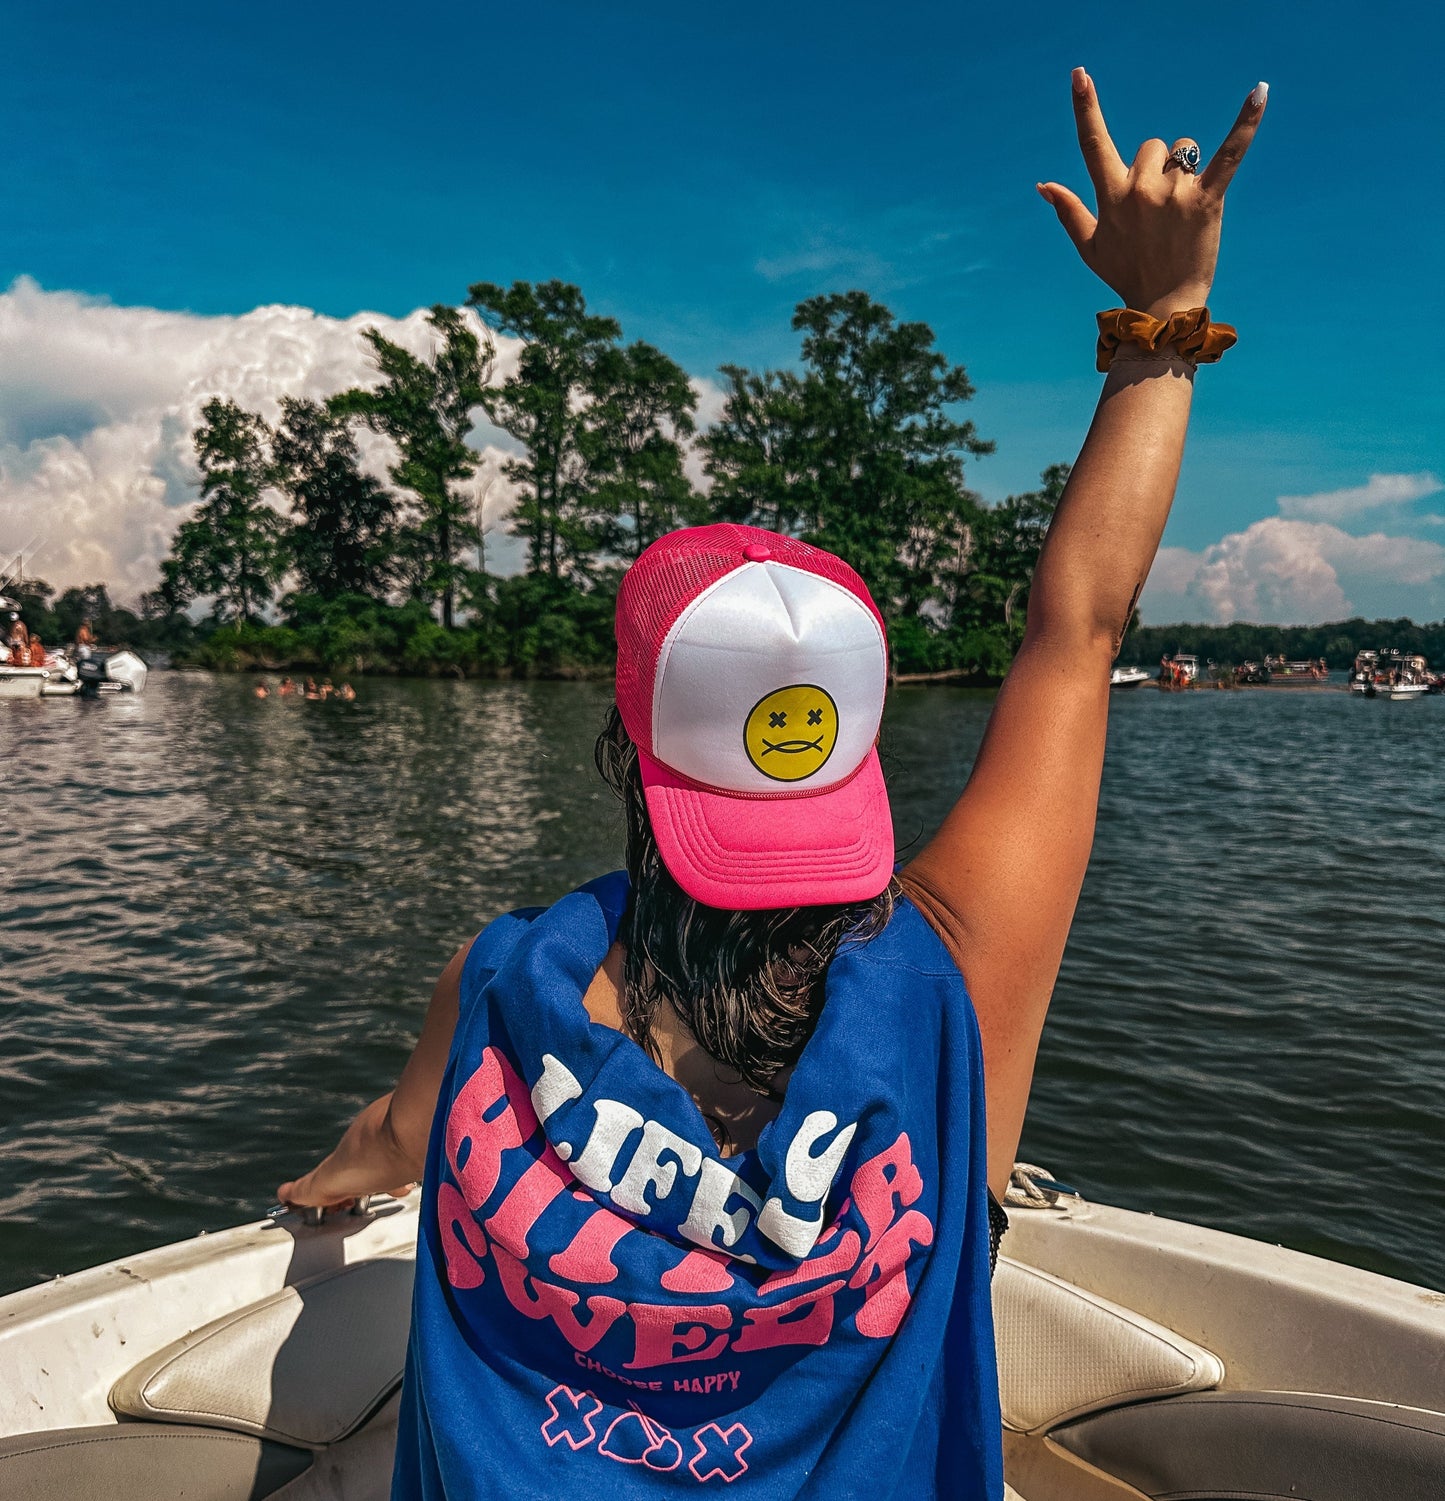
x=1001, y=878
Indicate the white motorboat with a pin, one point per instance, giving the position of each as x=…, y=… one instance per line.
x=1283, y=673
x=89, y=670
x=228, y=1366
x=1138, y=1357
x=1179, y=671
x=1128, y=677
x=1390, y=674
x=22, y=682
x=88, y=673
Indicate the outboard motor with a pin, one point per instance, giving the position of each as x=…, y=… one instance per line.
x=111, y=672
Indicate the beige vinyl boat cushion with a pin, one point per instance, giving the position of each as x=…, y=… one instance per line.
x=143, y=1462
x=1301, y=1445
x=1063, y=1352
x=306, y=1366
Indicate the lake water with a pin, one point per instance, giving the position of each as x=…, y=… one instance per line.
x=220, y=919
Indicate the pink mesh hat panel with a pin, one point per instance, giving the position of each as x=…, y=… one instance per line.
x=751, y=672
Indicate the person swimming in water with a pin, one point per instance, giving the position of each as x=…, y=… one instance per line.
x=712, y=1148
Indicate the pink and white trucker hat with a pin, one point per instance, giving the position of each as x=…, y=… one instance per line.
x=751, y=670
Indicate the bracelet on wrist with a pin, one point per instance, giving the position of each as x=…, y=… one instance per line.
x=1189, y=334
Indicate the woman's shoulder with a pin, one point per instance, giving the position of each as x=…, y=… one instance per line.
x=912, y=940
x=488, y=952
x=935, y=917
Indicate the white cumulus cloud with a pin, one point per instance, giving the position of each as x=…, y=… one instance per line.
x=98, y=403
x=1282, y=570
x=1382, y=491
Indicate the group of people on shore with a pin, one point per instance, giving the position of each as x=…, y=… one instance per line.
x=290, y=689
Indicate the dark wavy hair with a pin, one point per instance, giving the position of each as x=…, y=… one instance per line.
x=747, y=985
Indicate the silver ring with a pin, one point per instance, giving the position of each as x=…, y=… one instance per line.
x=1186, y=158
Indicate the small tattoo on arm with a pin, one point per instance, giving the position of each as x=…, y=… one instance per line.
x=1128, y=616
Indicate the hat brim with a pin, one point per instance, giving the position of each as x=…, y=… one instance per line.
x=747, y=854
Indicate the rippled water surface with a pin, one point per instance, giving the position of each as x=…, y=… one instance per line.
x=220, y=919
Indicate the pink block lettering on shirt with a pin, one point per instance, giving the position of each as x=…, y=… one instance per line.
x=464, y=1253
x=698, y=1272
x=842, y=1258
x=588, y=1256
x=883, y=1276
x=788, y=1324
x=541, y=1300
x=677, y=1332
x=882, y=1179
x=881, y=1187
x=491, y=1114
x=543, y=1181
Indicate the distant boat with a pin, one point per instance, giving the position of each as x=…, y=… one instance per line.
x=1305, y=674
x=1128, y=677
x=1179, y=671
x=1391, y=674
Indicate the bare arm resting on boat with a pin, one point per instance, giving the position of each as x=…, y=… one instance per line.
x=1001, y=878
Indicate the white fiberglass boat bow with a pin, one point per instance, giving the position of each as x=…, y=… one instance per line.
x=1139, y=1358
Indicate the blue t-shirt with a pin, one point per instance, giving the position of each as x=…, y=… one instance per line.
x=607, y=1307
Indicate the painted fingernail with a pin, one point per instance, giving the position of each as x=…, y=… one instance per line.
x=1081, y=81
x=1260, y=94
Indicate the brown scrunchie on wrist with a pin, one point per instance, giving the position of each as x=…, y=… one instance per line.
x=1191, y=333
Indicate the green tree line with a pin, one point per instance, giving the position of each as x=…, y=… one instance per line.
x=1337, y=642
x=297, y=557
x=306, y=560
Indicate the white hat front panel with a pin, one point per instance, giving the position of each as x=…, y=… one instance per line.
x=771, y=680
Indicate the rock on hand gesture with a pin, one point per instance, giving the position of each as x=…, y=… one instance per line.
x=1155, y=239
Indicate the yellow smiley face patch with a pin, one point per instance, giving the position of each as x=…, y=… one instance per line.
x=790, y=734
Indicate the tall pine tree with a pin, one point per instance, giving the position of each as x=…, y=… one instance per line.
x=233, y=546
x=861, y=452
x=759, y=454
x=343, y=534
x=642, y=404
x=425, y=407
x=544, y=406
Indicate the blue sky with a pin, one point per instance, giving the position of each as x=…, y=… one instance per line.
x=698, y=173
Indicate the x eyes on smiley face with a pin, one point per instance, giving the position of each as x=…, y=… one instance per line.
x=790, y=734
